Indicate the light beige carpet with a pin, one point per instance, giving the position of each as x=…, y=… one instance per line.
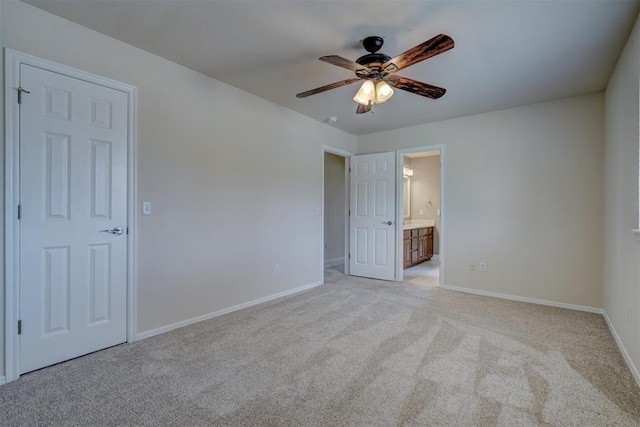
x=353, y=352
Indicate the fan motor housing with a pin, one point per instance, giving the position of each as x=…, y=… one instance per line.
x=373, y=59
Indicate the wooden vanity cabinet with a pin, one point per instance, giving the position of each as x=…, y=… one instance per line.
x=407, y=248
x=418, y=245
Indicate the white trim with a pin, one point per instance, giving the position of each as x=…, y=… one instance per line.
x=171, y=327
x=337, y=151
x=399, y=206
x=637, y=234
x=333, y=261
x=2, y=381
x=347, y=217
x=524, y=299
x=13, y=60
x=11, y=239
x=346, y=154
x=623, y=350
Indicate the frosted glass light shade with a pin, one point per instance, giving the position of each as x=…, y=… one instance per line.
x=383, y=92
x=366, y=94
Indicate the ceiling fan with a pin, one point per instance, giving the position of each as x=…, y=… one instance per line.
x=377, y=70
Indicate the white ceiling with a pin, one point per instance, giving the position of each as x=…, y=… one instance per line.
x=507, y=53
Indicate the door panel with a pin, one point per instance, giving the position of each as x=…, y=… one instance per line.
x=372, y=247
x=73, y=184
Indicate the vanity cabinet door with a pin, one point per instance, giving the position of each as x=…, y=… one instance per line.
x=414, y=257
x=407, y=252
x=428, y=243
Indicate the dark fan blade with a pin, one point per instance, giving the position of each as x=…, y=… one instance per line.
x=344, y=63
x=363, y=109
x=413, y=86
x=327, y=87
x=438, y=44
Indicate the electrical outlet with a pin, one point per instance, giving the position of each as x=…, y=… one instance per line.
x=421, y=212
x=483, y=266
x=146, y=208
x=473, y=266
x=276, y=269
x=628, y=313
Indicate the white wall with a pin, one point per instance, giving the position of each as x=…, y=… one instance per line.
x=219, y=224
x=334, y=206
x=523, y=193
x=622, y=250
x=425, y=188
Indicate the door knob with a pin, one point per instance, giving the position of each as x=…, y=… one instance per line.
x=387, y=222
x=115, y=231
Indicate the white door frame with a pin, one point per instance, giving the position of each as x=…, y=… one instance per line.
x=13, y=60
x=400, y=203
x=347, y=155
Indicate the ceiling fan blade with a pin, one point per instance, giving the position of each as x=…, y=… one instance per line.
x=344, y=63
x=437, y=45
x=363, y=109
x=327, y=87
x=414, y=86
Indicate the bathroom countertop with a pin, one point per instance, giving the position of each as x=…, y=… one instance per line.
x=419, y=224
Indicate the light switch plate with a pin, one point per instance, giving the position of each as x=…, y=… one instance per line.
x=146, y=208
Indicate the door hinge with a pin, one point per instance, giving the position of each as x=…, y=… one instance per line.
x=349, y=212
x=349, y=169
x=20, y=90
x=19, y=211
x=19, y=327
x=349, y=255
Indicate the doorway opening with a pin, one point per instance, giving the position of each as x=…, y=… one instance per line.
x=421, y=201
x=335, y=217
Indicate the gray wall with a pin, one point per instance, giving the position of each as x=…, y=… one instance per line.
x=523, y=193
x=622, y=248
x=334, y=206
x=2, y=198
x=213, y=215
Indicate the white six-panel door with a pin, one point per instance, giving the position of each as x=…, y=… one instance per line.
x=73, y=185
x=372, y=220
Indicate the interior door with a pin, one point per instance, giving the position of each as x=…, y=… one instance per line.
x=372, y=221
x=73, y=196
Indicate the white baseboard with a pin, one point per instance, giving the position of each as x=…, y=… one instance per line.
x=623, y=350
x=167, y=328
x=333, y=261
x=2, y=380
x=524, y=299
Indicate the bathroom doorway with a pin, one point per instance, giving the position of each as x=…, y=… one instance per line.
x=421, y=203
x=335, y=210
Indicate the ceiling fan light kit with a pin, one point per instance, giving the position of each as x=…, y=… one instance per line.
x=377, y=70
x=371, y=93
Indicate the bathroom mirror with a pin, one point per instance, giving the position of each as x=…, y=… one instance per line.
x=406, y=191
